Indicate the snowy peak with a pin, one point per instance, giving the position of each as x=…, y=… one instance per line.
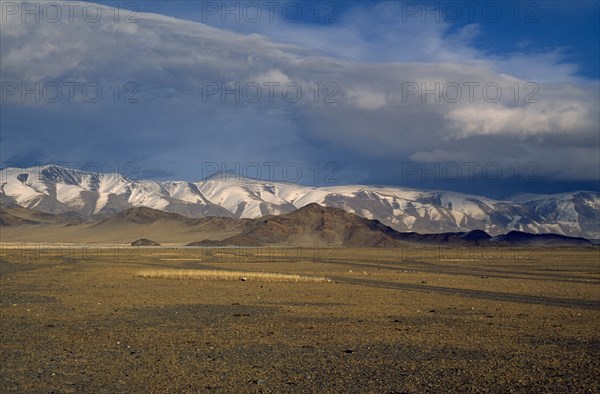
x=55, y=189
x=574, y=213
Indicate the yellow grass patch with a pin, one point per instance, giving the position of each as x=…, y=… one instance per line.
x=179, y=259
x=227, y=275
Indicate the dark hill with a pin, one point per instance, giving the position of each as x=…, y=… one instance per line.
x=15, y=215
x=519, y=238
x=7, y=219
x=317, y=225
x=144, y=242
x=144, y=215
x=476, y=235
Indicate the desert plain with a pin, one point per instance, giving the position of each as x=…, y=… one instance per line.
x=80, y=318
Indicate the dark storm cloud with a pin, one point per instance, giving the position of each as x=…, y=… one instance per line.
x=176, y=95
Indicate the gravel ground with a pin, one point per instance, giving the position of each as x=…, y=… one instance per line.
x=381, y=325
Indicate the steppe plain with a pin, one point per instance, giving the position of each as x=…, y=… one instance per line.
x=79, y=318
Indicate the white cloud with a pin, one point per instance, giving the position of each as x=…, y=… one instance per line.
x=367, y=56
x=366, y=98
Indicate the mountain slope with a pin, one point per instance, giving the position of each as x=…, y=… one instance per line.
x=572, y=214
x=54, y=189
x=12, y=214
x=316, y=225
x=518, y=238
x=27, y=225
x=144, y=215
x=57, y=190
x=309, y=226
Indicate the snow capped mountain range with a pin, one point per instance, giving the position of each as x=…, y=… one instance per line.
x=57, y=190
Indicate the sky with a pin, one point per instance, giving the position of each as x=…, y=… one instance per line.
x=489, y=97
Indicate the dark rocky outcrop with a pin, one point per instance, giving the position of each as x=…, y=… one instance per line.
x=144, y=242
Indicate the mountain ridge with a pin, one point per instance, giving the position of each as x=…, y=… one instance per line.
x=58, y=190
x=307, y=226
x=317, y=225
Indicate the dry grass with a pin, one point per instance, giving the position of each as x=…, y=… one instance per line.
x=228, y=275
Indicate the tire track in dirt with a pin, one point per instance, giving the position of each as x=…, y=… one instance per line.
x=479, y=294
